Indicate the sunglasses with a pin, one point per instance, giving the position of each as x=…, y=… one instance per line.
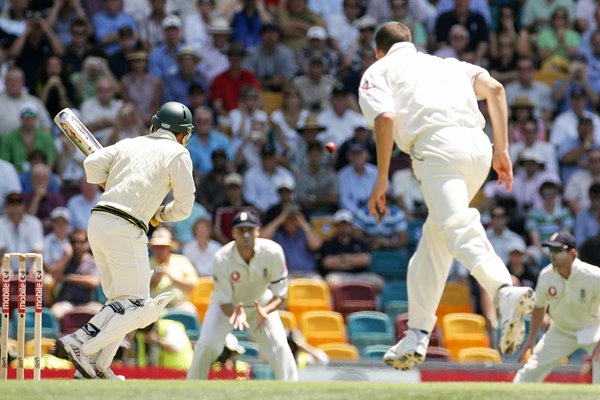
x=557, y=250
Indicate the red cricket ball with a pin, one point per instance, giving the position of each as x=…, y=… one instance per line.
x=330, y=147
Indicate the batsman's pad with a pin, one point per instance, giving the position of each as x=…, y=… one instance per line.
x=133, y=317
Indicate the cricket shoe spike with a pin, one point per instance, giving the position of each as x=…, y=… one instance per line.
x=69, y=348
x=409, y=351
x=514, y=303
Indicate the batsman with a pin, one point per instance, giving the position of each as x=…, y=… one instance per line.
x=137, y=174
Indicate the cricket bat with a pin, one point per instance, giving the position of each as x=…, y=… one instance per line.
x=80, y=136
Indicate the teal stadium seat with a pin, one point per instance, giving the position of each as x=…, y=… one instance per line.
x=251, y=348
x=375, y=351
x=367, y=328
x=263, y=372
x=50, y=327
x=189, y=320
x=390, y=264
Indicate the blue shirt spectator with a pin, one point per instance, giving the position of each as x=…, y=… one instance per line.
x=246, y=25
x=183, y=230
x=206, y=141
x=356, y=180
x=107, y=24
x=163, y=59
x=389, y=232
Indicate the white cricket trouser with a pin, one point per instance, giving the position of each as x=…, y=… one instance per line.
x=451, y=165
x=121, y=253
x=271, y=339
x=556, y=344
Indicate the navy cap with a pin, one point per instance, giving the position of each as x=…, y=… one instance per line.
x=561, y=240
x=357, y=147
x=245, y=218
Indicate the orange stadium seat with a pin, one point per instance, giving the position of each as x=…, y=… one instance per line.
x=307, y=295
x=47, y=346
x=340, y=351
x=463, y=330
x=288, y=320
x=200, y=295
x=456, y=298
x=324, y=226
x=320, y=327
x=479, y=355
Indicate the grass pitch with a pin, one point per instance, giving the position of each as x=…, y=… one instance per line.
x=271, y=390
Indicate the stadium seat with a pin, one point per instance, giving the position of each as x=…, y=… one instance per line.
x=390, y=264
x=369, y=327
x=242, y=335
x=200, y=295
x=50, y=327
x=74, y=319
x=375, y=351
x=251, y=348
x=435, y=353
x=479, y=355
x=272, y=101
x=394, y=308
x=340, y=351
x=456, y=298
x=189, y=320
x=414, y=232
x=100, y=296
x=324, y=226
x=47, y=346
x=307, y=295
x=349, y=297
x=393, y=291
x=288, y=320
x=263, y=372
x=320, y=327
x=401, y=323
x=462, y=330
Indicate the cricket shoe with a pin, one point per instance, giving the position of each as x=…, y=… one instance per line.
x=514, y=303
x=409, y=351
x=109, y=374
x=69, y=348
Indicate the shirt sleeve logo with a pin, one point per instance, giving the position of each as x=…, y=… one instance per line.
x=366, y=86
x=552, y=291
x=235, y=276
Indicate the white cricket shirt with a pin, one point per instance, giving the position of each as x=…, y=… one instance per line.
x=574, y=302
x=426, y=93
x=237, y=281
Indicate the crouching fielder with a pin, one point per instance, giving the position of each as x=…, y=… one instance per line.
x=250, y=277
x=137, y=174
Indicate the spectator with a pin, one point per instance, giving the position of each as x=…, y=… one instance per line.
x=317, y=185
x=80, y=205
x=351, y=78
x=80, y=46
x=366, y=38
x=206, y=140
x=593, y=59
x=128, y=124
x=564, y=126
x=53, y=85
x=340, y=120
x=503, y=240
x=211, y=187
x=285, y=186
x=342, y=26
x=356, y=179
x=262, y=192
x=162, y=61
x=197, y=96
x=400, y=13
x=503, y=61
x=421, y=10
x=308, y=135
x=248, y=151
x=360, y=134
x=196, y=25
x=587, y=221
x=272, y=62
x=9, y=183
x=128, y=43
x=177, y=84
x=589, y=251
x=164, y=344
x=234, y=203
x=521, y=111
x=40, y=202
x=61, y=16
x=408, y=194
x=141, y=88
x=18, y=143
x=472, y=20
x=201, y=250
x=536, y=14
x=520, y=266
x=57, y=245
x=94, y=69
x=507, y=28
x=35, y=157
x=295, y=20
x=557, y=39
x=317, y=44
x=574, y=153
x=577, y=79
x=345, y=258
x=480, y=6
x=31, y=48
x=390, y=232
x=326, y=9
x=76, y=278
x=578, y=185
x=586, y=13
x=107, y=24
x=227, y=366
x=458, y=41
x=226, y=87
x=214, y=60
x=315, y=87
x=172, y=272
x=69, y=162
x=247, y=110
x=99, y=113
x=19, y=231
x=150, y=27
x=246, y=23
x=538, y=93
x=297, y=238
x=14, y=99
x=286, y=119
x=530, y=139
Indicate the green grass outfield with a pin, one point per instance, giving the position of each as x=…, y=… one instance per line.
x=271, y=390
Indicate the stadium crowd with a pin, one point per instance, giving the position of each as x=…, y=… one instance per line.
x=269, y=82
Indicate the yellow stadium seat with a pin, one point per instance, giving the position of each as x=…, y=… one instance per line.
x=340, y=351
x=200, y=295
x=47, y=346
x=456, y=298
x=288, y=320
x=463, y=330
x=323, y=226
x=479, y=355
x=272, y=101
x=320, y=327
x=307, y=295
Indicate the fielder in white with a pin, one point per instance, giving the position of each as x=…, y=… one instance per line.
x=570, y=290
x=428, y=106
x=137, y=174
x=251, y=281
